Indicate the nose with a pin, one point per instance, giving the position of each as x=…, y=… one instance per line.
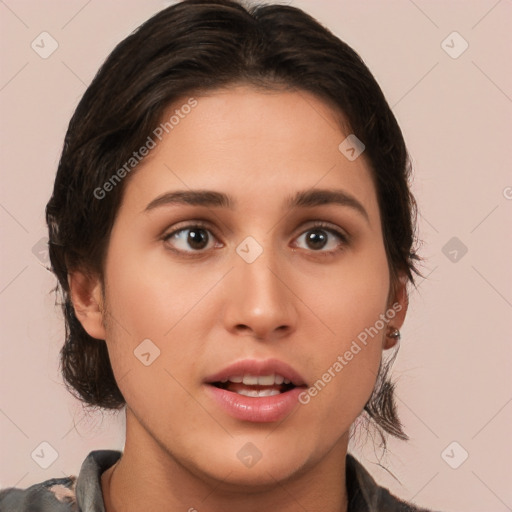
x=259, y=300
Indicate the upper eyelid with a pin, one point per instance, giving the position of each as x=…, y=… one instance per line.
x=189, y=225
x=206, y=225
x=321, y=225
x=327, y=226
x=340, y=233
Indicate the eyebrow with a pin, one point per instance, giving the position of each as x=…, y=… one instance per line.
x=192, y=197
x=318, y=197
x=302, y=199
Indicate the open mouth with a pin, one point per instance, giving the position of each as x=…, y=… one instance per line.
x=256, y=391
x=255, y=386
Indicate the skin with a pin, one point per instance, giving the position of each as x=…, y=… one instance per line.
x=301, y=303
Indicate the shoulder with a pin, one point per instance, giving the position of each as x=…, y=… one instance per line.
x=54, y=495
x=69, y=494
x=365, y=495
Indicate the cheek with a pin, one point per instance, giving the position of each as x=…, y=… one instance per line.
x=151, y=295
x=350, y=301
x=150, y=298
x=148, y=350
x=350, y=297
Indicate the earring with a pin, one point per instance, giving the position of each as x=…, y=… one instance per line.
x=395, y=333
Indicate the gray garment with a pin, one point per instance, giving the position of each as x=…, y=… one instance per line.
x=83, y=494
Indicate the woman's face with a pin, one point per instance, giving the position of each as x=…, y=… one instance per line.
x=245, y=276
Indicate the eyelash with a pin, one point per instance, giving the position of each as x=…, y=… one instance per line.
x=344, y=238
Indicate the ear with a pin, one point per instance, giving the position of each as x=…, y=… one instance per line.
x=85, y=293
x=398, y=303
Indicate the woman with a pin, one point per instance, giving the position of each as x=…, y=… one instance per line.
x=232, y=231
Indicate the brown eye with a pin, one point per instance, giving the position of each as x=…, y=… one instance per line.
x=322, y=239
x=316, y=239
x=189, y=239
x=198, y=238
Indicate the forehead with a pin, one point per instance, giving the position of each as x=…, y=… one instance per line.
x=254, y=145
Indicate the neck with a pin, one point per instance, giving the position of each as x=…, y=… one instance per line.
x=149, y=477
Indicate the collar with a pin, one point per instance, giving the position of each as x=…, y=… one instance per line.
x=364, y=494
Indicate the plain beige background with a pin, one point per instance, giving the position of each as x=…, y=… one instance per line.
x=454, y=364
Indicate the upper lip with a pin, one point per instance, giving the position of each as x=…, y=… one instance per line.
x=257, y=368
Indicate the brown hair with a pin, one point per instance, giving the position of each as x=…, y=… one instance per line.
x=201, y=45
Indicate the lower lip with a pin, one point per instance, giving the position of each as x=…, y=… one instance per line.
x=261, y=409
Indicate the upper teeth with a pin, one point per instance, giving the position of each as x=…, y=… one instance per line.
x=261, y=380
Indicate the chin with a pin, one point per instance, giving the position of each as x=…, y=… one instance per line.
x=259, y=478
x=240, y=463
